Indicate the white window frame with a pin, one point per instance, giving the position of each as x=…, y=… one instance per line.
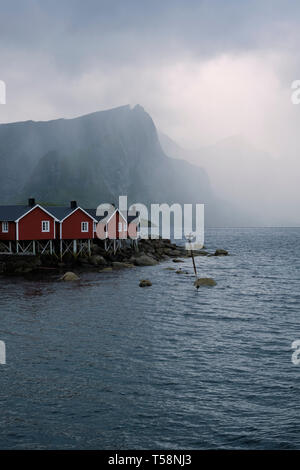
x=84, y=227
x=46, y=227
x=125, y=227
x=4, y=227
x=120, y=227
x=95, y=226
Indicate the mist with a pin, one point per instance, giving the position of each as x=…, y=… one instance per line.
x=215, y=77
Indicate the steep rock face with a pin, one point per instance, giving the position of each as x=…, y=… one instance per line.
x=95, y=158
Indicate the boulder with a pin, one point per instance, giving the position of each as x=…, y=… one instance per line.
x=221, y=252
x=172, y=252
x=145, y=283
x=97, y=250
x=96, y=260
x=119, y=265
x=177, y=260
x=144, y=260
x=180, y=271
x=69, y=276
x=204, y=281
x=169, y=268
x=201, y=253
x=22, y=264
x=177, y=253
x=105, y=269
x=83, y=260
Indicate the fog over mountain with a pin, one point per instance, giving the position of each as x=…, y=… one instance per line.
x=254, y=182
x=97, y=157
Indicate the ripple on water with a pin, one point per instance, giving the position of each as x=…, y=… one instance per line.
x=105, y=364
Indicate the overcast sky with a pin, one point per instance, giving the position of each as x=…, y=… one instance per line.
x=204, y=70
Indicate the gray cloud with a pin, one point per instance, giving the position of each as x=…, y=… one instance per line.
x=49, y=47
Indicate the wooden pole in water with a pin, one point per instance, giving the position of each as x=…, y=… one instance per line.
x=192, y=255
x=195, y=269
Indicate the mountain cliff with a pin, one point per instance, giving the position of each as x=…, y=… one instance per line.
x=94, y=159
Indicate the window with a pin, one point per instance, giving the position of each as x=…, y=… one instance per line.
x=125, y=227
x=95, y=226
x=5, y=227
x=45, y=226
x=84, y=226
x=120, y=227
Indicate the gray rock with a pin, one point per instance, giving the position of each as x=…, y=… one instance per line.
x=83, y=260
x=96, y=260
x=177, y=253
x=144, y=260
x=172, y=252
x=145, y=283
x=201, y=253
x=69, y=276
x=204, y=281
x=119, y=265
x=176, y=260
x=221, y=252
x=97, y=250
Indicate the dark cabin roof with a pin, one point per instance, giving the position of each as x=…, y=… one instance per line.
x=129, y=218
x=12, y=213
x=60, y=212
x=92, y=212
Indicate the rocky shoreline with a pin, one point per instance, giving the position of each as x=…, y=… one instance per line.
x=149, y=253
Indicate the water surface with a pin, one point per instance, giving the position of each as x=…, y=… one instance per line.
x=103, y=363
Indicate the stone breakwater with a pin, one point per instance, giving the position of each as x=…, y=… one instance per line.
x=149, y=253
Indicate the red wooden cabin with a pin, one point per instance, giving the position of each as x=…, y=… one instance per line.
x=118, y=225
x=31, y=222
x=73, y=222
x=34, y=228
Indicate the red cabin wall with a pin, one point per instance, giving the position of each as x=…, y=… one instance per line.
x=30, y=226
x=113, y=227
x=11, y=234
x=71, y=226
x=132, y=230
